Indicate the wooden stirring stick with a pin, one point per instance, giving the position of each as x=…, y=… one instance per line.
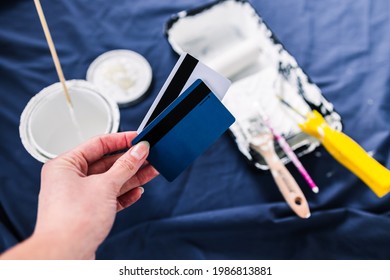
x=52, y=50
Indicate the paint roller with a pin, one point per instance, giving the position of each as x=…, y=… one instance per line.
x=235, y=58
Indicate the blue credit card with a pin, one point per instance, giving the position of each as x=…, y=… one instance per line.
x=185, y=129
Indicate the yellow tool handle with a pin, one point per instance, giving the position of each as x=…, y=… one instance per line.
x=349, y=153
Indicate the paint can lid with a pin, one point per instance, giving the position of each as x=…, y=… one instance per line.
x=124, y=75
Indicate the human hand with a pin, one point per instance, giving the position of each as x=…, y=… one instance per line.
x=82, y=190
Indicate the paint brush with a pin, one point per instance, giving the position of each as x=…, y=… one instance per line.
x=287, y=149
x=345, y=150
x=53, y=51
x=261, y=140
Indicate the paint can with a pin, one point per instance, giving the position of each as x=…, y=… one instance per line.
x=49, y=127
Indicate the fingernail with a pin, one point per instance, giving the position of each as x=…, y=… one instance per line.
x=140, y=150
x=141, y=189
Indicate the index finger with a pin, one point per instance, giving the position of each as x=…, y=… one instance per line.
x=97, y=147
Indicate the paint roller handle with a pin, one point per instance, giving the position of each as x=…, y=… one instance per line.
x=349, y=153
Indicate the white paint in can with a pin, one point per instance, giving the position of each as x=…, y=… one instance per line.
x=46, y=126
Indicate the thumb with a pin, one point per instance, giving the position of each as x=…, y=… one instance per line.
x=128, y=164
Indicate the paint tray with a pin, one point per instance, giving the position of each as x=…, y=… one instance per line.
x=231, y=37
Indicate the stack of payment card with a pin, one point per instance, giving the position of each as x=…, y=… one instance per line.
x=186, y=117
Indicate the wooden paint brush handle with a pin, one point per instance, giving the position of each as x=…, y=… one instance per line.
x=285, y=181
x=349, y=153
